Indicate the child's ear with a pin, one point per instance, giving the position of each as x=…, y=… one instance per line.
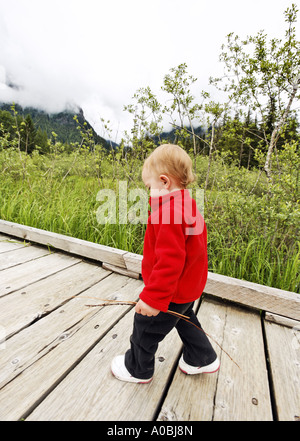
x=165, y=180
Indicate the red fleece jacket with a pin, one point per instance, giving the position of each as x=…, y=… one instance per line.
x=174, y=265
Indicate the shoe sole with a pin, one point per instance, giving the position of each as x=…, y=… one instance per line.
x=200, y=372
x=210, y=369
x=131, y=379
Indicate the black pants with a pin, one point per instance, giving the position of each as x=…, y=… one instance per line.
x=149, y=331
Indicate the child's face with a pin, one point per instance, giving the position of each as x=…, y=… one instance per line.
x=158, y=185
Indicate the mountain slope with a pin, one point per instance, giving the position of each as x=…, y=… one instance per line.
x=62, y=123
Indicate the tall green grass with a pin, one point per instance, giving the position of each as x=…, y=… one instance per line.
x=68, y=208
x=257, y=261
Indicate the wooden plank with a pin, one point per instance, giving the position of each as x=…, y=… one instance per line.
x=69, y=244
x=122, y=271
x=27, y=273
x=243, y=394
x=25, y=254
x=281, y=320
x=254, y=295
x=41, y=355
x=24, y=306
x=283, y=344
x=133, y=262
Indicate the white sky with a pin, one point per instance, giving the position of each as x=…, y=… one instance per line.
x=97, y=53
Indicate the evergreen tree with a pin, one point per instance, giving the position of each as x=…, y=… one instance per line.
x=41, y=141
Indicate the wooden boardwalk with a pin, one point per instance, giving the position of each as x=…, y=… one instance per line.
x=56, y=351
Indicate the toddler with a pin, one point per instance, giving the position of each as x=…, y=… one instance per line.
x=174, y=270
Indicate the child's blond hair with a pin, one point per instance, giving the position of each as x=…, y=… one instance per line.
x=171, y=160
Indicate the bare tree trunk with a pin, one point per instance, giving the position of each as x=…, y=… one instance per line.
x=275, y=133
x=249, y=158
x=194, y=145
x=210, y=153
x=241, y=152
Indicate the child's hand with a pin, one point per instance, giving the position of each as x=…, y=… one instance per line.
x=144, y=309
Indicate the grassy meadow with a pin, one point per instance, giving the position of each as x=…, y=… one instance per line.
x=252, y=225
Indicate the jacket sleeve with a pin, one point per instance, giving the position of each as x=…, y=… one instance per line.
x=170, y=255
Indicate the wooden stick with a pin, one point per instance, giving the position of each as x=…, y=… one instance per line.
x=109, y=302
x=128, y=302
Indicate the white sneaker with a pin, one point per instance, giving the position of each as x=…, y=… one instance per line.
x=119, y=370
x=192, y=370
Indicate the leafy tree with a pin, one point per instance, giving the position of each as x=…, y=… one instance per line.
x=264, y=76
x=147, y=119
x=146, y=113
x=182, y=106
x=7, y=121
